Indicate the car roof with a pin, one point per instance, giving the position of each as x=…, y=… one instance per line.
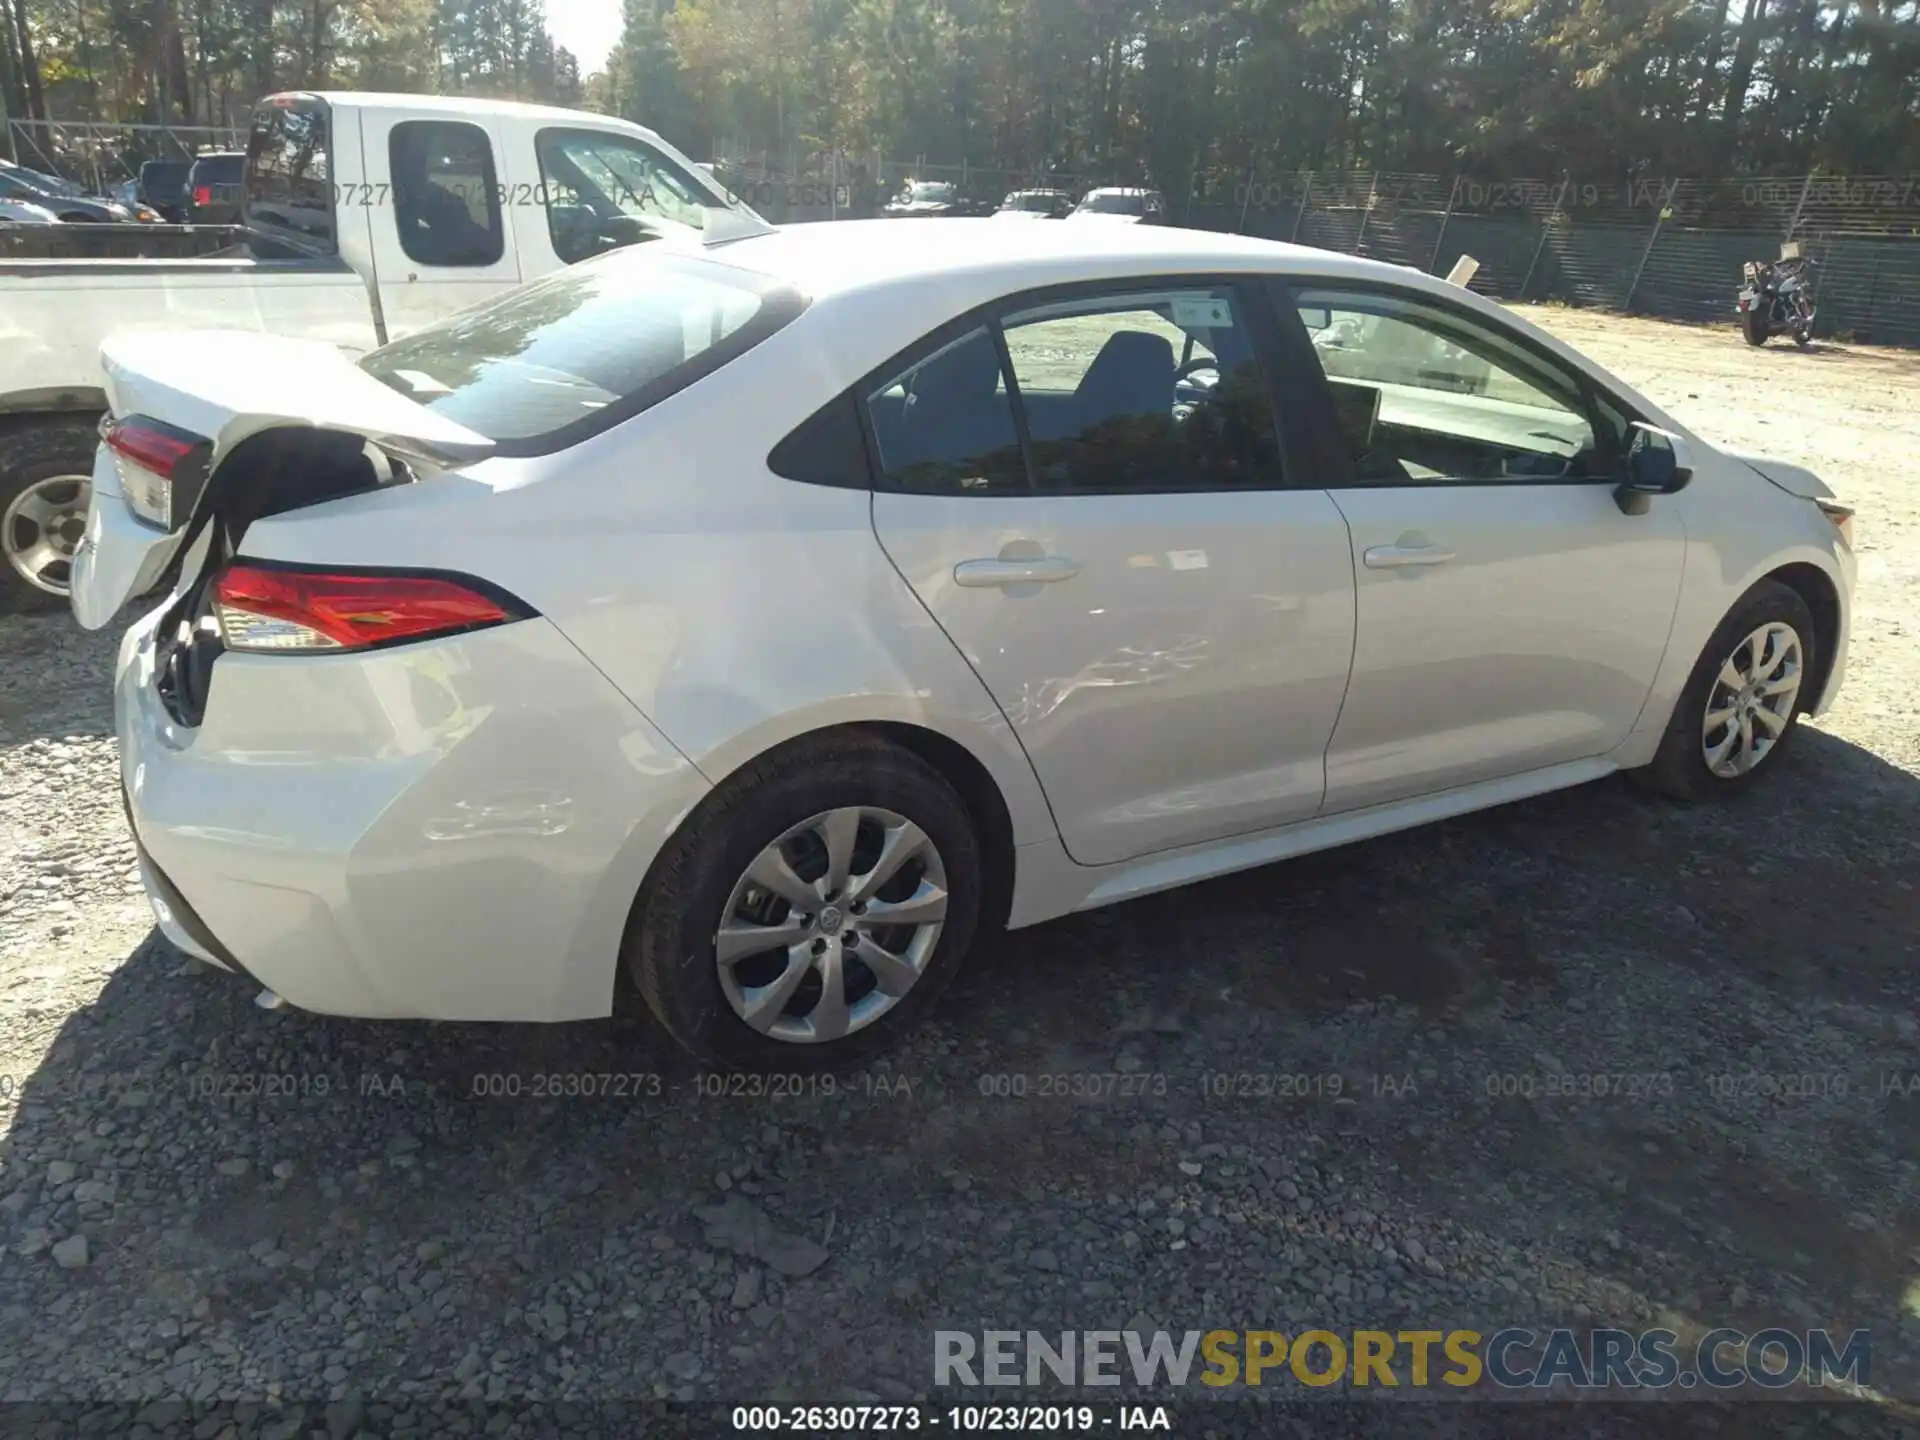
x=831, y=257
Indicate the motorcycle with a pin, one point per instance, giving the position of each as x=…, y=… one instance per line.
x=1776, y=298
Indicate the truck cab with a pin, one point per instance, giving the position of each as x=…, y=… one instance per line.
x=363, y=217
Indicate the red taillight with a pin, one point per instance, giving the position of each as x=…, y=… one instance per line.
x=203, y=194
x=145, y=443
x=169, y=465
x=275, y=609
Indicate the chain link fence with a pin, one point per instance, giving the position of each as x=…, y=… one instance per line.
x=1667, y=247
x=99, y=156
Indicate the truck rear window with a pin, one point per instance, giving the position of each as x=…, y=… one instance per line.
x=551, y=363
x=289, y=175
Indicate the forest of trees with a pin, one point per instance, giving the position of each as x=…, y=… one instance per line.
x=1177, y=92
x=206, y=61
x=1184, y=94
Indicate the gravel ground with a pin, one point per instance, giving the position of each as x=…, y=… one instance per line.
x=384, y=1243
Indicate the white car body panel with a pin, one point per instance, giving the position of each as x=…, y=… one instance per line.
x=435, y=853
x=1536, y=644
x=451, y=860
x=1224, y=614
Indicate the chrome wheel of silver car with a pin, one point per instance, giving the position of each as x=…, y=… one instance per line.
x=41, y=530
x=831, y=925
x=1750, y=703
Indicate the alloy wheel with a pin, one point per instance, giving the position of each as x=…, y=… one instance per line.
x=1750, y=703
x=41, y=530
x=831, y=925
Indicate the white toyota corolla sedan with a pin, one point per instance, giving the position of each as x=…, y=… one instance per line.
x=748, y=630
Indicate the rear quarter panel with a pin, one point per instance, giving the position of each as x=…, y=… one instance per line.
x=736, y=609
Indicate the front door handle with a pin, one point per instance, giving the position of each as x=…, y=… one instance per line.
x=1402, y=557
x=1041, y=570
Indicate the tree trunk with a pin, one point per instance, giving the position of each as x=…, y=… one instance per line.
x=1746, y=50
x=265, y=72
x=321, y=16
x=32, y=93
x=13, y=99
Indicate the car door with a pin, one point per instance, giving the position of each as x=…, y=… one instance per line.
x=438, y=222
x=1086, y=490
x=1510, y=616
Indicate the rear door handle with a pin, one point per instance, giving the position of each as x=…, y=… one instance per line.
x=1402, y=557
x=1041, y=570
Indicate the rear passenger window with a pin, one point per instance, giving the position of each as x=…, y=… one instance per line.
x=946, y=425
x=444, y=198
x=1157, y=391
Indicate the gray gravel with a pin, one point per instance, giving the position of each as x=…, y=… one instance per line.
x=383, y=1241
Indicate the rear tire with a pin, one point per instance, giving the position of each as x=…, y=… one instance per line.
x=46, y=480
x=707, y=882
x=1753, y=325
x=1681, y=768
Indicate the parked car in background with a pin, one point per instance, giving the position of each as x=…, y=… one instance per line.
x=1035, y=205
x=163, y=188
x=365, y=217
x=1122, y=205
x=23, y=212
x=928, y=200
x=79, y=209
x=216, y=187
x=498, y=625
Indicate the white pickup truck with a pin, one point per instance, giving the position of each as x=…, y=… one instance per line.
x=364, y=217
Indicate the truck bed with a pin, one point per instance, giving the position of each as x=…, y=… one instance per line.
x=55, y=313
x=115, y=242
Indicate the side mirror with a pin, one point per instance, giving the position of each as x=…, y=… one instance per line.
x=1316, y=317
x=1655, y=466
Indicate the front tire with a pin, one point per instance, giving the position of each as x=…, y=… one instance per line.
x=811, y=912
x=1740, y=705
x=46, y=481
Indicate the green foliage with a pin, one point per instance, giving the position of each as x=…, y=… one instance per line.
x=1188, y=95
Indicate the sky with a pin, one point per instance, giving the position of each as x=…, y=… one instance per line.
x=589, y=28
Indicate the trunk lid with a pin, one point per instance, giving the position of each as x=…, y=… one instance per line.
x=222, y=388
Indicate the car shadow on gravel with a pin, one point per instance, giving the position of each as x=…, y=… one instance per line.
x=1406, y=1034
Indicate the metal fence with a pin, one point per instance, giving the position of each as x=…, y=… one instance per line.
x=101, y=156
x=1666, y=247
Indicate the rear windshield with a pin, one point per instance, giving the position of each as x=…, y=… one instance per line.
x=219, y=169
x=289, y=172
x=568, y=356
x=1111, y=204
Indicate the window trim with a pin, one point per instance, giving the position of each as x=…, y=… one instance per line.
x=1318, y=396
x=1248, y=292
x=781, y=303
x=496, y=222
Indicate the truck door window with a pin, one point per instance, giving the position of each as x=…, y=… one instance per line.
x=603, y=190
x=445, y=200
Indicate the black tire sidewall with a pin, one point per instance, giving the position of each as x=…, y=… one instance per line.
x=29, y=453
x=1681, y=763
x=669, y=950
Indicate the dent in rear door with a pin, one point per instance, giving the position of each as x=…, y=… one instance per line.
x=1173, y=660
